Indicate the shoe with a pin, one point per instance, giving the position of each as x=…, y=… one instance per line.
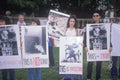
x=114, y=78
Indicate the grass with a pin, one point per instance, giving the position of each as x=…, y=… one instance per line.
x=51, y=73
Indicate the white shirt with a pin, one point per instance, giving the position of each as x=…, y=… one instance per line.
x=70, y=32
x=21, y=24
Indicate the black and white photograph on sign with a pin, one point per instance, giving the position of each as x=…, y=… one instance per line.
x=35, y=46
x=71, y=55
x=57, y=22
x=35, y=40
x=10, y=51
x=98, y=37
x=72, y=51
x=8, y=41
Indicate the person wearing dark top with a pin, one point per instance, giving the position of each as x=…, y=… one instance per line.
x=96, y=18
x=4, y=21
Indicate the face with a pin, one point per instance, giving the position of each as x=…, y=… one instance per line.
x=34, y=23
x=2, y=22
x=72, y=22
x=21, y=19
x=118, y=19
x=96, y=17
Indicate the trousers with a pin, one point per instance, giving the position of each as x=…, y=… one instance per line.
x=5, y=74
x=114, y=70
x=37, y=73
x=90, y=69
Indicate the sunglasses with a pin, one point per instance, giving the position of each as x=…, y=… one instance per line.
x=95, y=15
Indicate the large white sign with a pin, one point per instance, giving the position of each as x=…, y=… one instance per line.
x=34, y=46
x=115, y=40
x=71, y=55
x=57, y=23
x=10, y=54
x=98, y=42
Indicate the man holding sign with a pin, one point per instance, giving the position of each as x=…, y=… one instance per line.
x=95, y=42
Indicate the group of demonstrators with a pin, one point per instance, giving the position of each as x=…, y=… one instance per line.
x=11, y=72
x=71, y=31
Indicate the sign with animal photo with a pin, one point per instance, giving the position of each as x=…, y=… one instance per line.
x=57, y=22
x=71, y=55
x=10, y=52
x=98, y=42
x=35, y=46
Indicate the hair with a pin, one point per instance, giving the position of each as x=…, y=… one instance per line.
x=72, y=17
x=36, y=21
x=5, y=18
x=118, y=13
x=96, y=12
x=20, y=15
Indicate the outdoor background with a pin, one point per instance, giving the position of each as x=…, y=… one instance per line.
x=40, y=8
x=52, y=74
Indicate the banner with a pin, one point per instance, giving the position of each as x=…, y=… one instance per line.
x=10, y=55
x=57, y=23
x=98, y=42
x=71, y=55
x=115, y=40
x=34, y=46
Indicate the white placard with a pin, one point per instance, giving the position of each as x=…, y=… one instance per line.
x=35, y=47
x=115, y=40
x=71, y=55
x=10, y=51
x=98, y=42
x=57, y=23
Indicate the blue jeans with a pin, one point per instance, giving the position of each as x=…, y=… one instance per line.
x=114, y=71
x=5, y=74
x=51, y=56
x=37, y=73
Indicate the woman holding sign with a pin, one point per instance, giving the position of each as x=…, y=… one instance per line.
x=71, y=31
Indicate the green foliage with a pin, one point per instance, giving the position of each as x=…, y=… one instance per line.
x=30, y=4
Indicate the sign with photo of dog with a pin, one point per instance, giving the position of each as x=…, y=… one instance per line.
x=71, y=55
x=98, y=42
x=35, y=46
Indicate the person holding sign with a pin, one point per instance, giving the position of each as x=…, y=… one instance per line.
x=71, y=31
x=96, y=18
x=115, y=58
x=4, y=21
x=21, y=21
x=36, y=70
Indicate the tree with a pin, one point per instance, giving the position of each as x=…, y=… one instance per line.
x=41, y=7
